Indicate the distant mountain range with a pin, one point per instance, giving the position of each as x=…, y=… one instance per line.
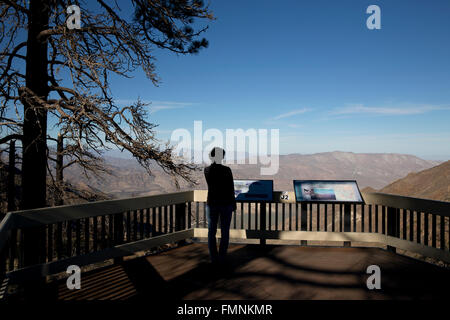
x=374, y=170
x=433, y=183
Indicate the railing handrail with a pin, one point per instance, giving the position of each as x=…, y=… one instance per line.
x=441, y=208
x=49, y=215
x=43, y=216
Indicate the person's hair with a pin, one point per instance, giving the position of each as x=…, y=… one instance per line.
x=212, y=154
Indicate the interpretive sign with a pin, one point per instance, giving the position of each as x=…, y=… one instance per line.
x=327, y=191
x=253, y=190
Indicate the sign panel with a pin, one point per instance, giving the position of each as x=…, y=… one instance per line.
x=253, y=190
x=327, y=191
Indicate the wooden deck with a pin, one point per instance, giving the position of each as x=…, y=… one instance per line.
x=276, y=272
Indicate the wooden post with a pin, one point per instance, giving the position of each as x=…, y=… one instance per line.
x=11, y=177
x=118, y=229
x=11, y=196
x=347, y=217
x=347, y=221
x=303, y=221
x=118, y=233
x=180, y=219
x=392, y=225
x=262, y=212
x=32, y=241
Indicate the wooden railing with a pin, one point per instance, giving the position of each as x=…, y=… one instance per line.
x=416, y=225
x=45, y=241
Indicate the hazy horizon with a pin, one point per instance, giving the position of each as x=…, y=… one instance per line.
x=126, y=155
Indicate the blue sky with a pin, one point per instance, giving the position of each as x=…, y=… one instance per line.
x=315, y=71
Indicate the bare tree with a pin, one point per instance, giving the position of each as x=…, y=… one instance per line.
x=48, y=70
x=67, y=155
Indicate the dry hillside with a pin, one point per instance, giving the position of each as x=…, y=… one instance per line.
x=433, y=183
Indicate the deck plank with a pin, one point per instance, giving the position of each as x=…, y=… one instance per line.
x=274, y=272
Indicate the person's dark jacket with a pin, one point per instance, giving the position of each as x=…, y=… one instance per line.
x=220, y=185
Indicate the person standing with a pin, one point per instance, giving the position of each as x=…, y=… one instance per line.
x=221, y=203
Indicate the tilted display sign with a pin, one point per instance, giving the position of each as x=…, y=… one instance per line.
x=327, y=191
x=253, y=190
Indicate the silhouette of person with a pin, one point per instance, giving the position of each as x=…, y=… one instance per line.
x=221, y=203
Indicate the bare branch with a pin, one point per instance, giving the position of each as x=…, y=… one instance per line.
x=11, y=137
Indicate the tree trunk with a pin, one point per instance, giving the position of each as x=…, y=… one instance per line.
x=34, y=165
x=59, y=171
x=12, y=177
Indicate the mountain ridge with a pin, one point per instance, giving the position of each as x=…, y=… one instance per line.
x=432, y=183
x=370, y=170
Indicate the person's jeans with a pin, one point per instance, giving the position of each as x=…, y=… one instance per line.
x=212, y=214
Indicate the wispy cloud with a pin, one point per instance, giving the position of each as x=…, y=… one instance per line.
x=411, y=110
x=291, y=113
x=156, y=106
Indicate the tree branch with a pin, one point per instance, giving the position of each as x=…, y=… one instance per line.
x=11, y=137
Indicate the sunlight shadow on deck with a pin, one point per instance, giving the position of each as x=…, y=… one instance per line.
x=255, y=272
x=289, y=272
